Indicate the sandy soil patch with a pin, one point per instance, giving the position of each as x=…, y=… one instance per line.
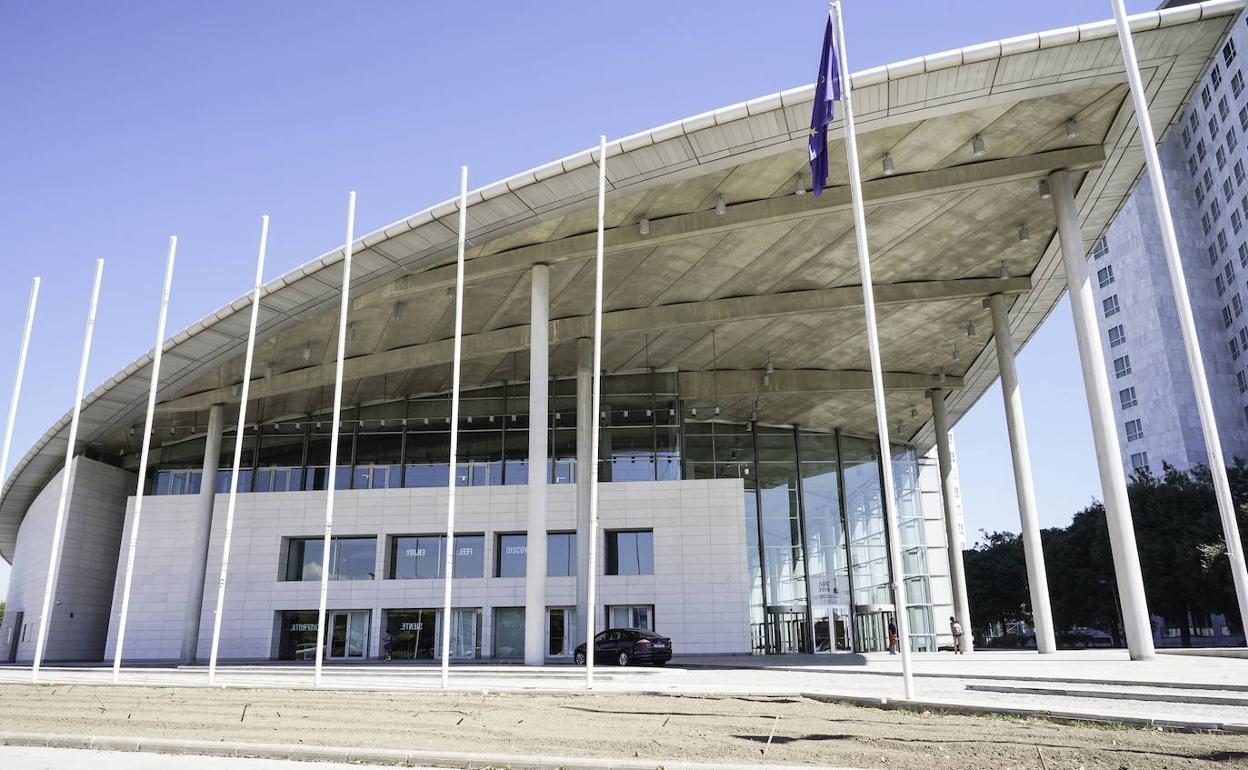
x=705, y=729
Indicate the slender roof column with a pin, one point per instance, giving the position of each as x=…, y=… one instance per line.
x=535, y=560
x=201, y=535
x=1135, y=620
x=1037, y=577
x=584, y=467
x=957, y=571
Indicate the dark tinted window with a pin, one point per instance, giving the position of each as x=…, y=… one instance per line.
x=350, y=558
x=512, y=554
x=630, y=552
x=561, y=554
x=422, y=556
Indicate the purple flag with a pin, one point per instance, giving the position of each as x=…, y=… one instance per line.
x=824, y=110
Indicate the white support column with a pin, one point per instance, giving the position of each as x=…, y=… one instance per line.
x=448, y=568
x=1037, y=577
x=67, y=473
x=331, y=480
x=896, y=565
x=584, y=467
x=144, y=453
x=595, y=417
x=7, y=443
x=227, y=535
x=957, y=571
x=1183, y=304
x=202, y=534
x=535, y=559
x=1135, y=620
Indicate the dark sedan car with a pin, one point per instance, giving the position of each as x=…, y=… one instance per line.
x=625, y=646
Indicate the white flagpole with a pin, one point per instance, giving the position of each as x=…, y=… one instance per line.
x=143, y=455
x=873, y=346
x=591, y=578
x=1182, y=301
x=449, y=568
x=331, y=482
x=66, y=472
x=238, y=451
x=21, y=373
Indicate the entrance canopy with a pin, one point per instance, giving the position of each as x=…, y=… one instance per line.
x=720, y=264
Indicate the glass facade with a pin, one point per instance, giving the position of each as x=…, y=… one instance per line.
x=413, y=557
x=630, y=552
x=816, y=540
x=406, y=442
x=350, y=558
x=416, y=634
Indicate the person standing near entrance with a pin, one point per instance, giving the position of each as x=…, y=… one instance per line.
x=955, y=628
x=892, y=637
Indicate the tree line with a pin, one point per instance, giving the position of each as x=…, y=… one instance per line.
x=1182, y=556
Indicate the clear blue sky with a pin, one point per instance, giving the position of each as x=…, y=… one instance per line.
x=124, y=123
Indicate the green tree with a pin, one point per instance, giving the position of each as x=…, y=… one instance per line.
x=996, y=581
x=1182, y=555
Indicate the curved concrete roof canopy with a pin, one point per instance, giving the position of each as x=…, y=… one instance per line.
x=936, y=228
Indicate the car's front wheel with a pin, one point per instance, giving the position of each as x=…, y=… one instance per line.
x=624, y=659
x=579, y=658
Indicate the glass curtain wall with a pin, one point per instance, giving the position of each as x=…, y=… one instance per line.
x=406, y=442
x=867, y=535
x=816, y=539
x=913, y=549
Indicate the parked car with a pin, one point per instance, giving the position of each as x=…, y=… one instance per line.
x=625, y=646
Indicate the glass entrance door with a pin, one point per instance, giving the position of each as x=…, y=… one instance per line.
x=560, y=631
x=871, y=629
x=348, y=635
x=464, y=633
x=832, y=629
x=787, y=631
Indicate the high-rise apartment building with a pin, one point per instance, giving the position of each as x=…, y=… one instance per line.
x=1205, y=157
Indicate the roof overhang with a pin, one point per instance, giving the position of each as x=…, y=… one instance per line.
x=916, y=110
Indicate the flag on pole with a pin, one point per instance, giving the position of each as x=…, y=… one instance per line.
x=827, y=92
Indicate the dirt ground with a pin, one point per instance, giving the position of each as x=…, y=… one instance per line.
x=706, y=729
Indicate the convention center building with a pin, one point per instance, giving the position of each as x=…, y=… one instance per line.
x=741, y=499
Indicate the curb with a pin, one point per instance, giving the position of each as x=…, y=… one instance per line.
x=968, y=709
x=393, y=757
x=1222, y=686
x=1205, y=700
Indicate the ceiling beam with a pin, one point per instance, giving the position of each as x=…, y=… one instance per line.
x=615, y=323
x=740, y=216
x=704, y=386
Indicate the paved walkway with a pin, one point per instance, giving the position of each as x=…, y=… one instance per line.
x=1185, y=691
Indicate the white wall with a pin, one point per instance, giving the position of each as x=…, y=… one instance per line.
x=699, y=588
x=81, y=604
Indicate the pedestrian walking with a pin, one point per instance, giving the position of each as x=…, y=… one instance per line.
x=892, y=637
x=955, y=628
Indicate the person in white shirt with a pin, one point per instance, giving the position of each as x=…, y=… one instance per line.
x=956, y=629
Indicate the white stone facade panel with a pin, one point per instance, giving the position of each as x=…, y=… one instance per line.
x=699, y=587
x=84, y=577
